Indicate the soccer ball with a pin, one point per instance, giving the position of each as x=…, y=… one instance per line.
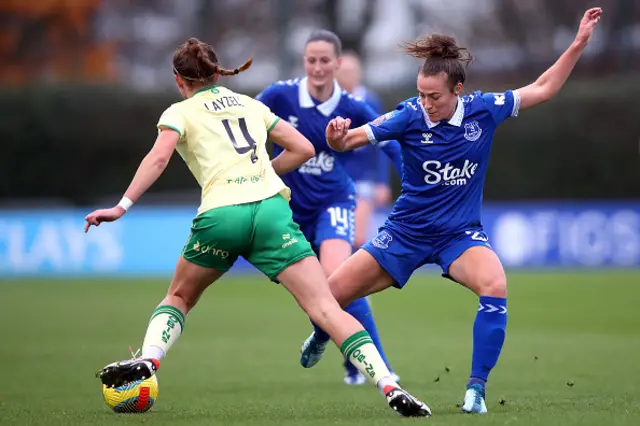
x=136, y=397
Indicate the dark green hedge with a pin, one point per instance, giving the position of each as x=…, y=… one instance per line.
x=81, y=143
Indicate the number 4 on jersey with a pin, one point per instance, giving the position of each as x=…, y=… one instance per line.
x=252, y=145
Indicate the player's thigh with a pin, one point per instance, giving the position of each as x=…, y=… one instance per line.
x=359, y=276
x=308, y=284
x=472, y=263
x=334, y=232
x=397, y=254
x=364, y=211
x=333, y=253
x=276, y=241
x=190, y=281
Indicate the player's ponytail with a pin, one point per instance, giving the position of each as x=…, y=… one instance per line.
x=441, y=54
x=197, y=62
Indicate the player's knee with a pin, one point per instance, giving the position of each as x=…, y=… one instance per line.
x=320, y=312
x=492, y=284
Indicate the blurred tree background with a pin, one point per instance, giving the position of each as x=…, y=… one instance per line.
x=82, y=83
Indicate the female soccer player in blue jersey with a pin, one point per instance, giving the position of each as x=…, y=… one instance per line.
x=445, y=140
x=369, y=167
x=322, y=193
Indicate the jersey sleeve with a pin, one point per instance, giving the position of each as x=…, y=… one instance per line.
x=173, y=119
x=502, y=105
x=270, y=119
x=391, y=125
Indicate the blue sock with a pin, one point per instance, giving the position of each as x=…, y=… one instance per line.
x=321, y=335
x=361, y=311
x=488, y=337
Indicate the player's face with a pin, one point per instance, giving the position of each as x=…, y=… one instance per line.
x=321, y=63
x=349, y=74
x=436, y=97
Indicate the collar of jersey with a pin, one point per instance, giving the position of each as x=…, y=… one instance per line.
x=204, y=89
x=360, y=92
x=326, y=108
x=456, y=120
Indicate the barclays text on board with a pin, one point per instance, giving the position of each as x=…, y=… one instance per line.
x=148, y=241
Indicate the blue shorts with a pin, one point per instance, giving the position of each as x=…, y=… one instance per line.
x=400, y=254
x=337, y=221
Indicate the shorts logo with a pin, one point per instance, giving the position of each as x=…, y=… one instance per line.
x=479, y=236
x=472, y=131
x=382, y=240
x=199, y=248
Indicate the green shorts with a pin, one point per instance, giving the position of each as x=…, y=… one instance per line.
x=263, y=232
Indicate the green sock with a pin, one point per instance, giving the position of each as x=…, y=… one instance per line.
x=360, y=350
x=165, y=326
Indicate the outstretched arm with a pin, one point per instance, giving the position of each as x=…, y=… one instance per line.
x=550, y=83
x=150, y=169
x=340, y=138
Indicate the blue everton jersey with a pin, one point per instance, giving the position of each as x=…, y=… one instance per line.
x=323, y=180
x=444, y=163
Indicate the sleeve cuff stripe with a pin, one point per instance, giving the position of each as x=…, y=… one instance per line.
x=516, y=103
x=273, y=125
x=369, y=131
x=170, y=127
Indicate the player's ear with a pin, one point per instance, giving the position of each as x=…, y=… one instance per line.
x=339, y=61
x=457, y=89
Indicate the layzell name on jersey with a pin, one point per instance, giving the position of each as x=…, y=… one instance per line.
x=323, y=179
x=445, y=163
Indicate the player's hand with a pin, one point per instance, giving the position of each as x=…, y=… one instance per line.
x=103, y=215
x=337, y=128
x=587, y=25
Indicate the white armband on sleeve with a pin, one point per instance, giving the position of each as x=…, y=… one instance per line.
x=516, y=103
x=369, y=131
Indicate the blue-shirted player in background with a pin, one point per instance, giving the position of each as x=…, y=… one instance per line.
x=369, y=169
x=323, y=194
x=445, y=141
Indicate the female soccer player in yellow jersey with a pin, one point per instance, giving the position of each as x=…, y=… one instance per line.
x=221, y=135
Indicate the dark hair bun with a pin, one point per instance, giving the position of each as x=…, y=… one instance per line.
x=441, y=46
x=437, y=46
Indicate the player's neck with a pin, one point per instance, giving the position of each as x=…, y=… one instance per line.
x=453, y=110
x=320, y=93
x=191, y=91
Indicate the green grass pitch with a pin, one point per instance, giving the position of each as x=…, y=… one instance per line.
x=571, y=356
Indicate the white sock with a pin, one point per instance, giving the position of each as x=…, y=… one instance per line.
x=385, y=382
x=165, y=326
x=154, y=352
